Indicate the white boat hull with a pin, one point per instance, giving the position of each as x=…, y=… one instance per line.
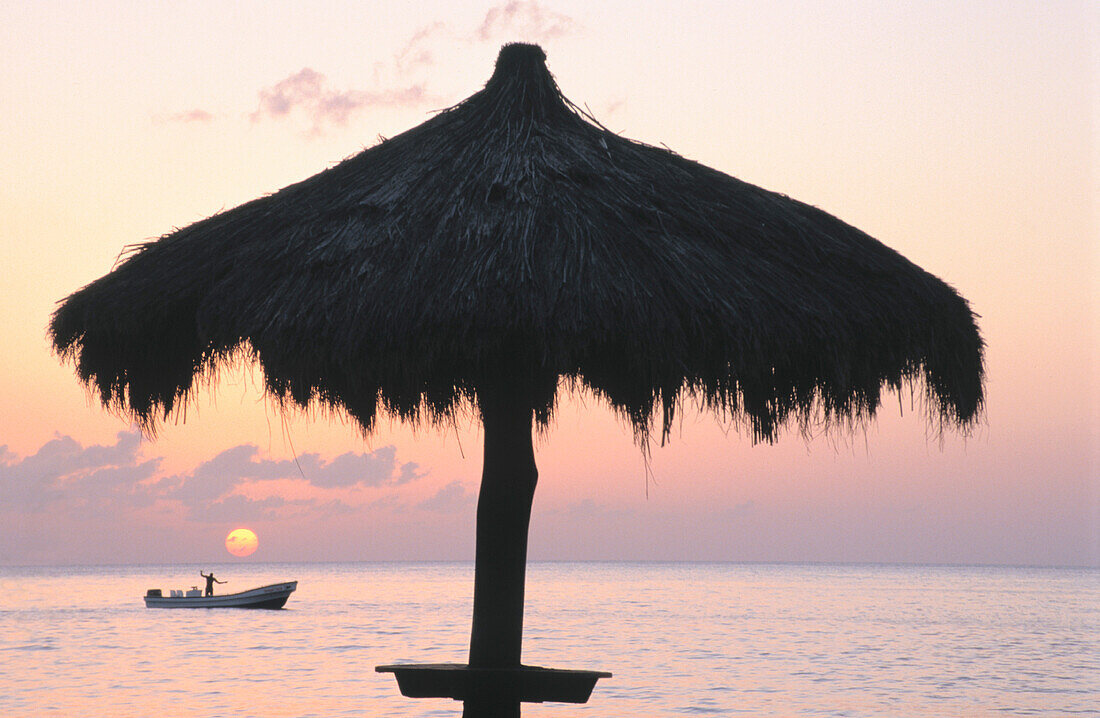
x=273, y=596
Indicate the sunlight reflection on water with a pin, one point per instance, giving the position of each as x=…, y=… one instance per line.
x=681, y=639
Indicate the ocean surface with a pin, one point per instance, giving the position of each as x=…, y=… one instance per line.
x=682, y=639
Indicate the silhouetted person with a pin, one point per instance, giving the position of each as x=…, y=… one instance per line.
x=210, y=581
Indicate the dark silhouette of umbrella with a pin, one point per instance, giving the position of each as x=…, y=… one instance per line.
x=507, y=248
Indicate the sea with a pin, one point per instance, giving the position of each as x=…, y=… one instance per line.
x=681, y=639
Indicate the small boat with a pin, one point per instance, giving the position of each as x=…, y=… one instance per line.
x=273, y=596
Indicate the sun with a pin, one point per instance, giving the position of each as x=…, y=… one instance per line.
x=241, y=542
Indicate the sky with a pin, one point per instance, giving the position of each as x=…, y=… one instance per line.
x=963, y=135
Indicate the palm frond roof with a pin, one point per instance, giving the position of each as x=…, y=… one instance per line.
x=511, y=243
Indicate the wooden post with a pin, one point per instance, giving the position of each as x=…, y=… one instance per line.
x=494, y=682
x=508, y=483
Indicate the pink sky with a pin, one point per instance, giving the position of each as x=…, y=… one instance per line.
x=964, y=137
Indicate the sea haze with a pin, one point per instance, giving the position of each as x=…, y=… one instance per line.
x=680, y=638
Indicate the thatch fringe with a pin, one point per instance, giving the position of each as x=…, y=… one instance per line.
x=511, y=242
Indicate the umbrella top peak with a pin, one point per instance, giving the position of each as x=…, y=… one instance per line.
x=518, y=57
x=521, y=87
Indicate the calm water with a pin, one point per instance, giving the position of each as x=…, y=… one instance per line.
x=681, y=639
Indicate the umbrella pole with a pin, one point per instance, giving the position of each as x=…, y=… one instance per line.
x=508, y=483
x=494, y=683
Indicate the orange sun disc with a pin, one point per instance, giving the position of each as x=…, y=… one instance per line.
x=241, y=542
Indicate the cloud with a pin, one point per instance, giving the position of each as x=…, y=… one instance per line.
x=63, y=456
x=188, y=116
x=212, y=490
x=67, y=475
x=378, y=468
x=240, y=463
x=278, y=100
x=399, y=82
x=306, y=92
x=417, y=53
x=64, y=470
x=452, y=498
x=523, y=19
x=238, y=508
x=390, y=503
x=410, y=471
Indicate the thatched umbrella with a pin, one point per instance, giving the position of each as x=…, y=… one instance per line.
x=506, y=248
